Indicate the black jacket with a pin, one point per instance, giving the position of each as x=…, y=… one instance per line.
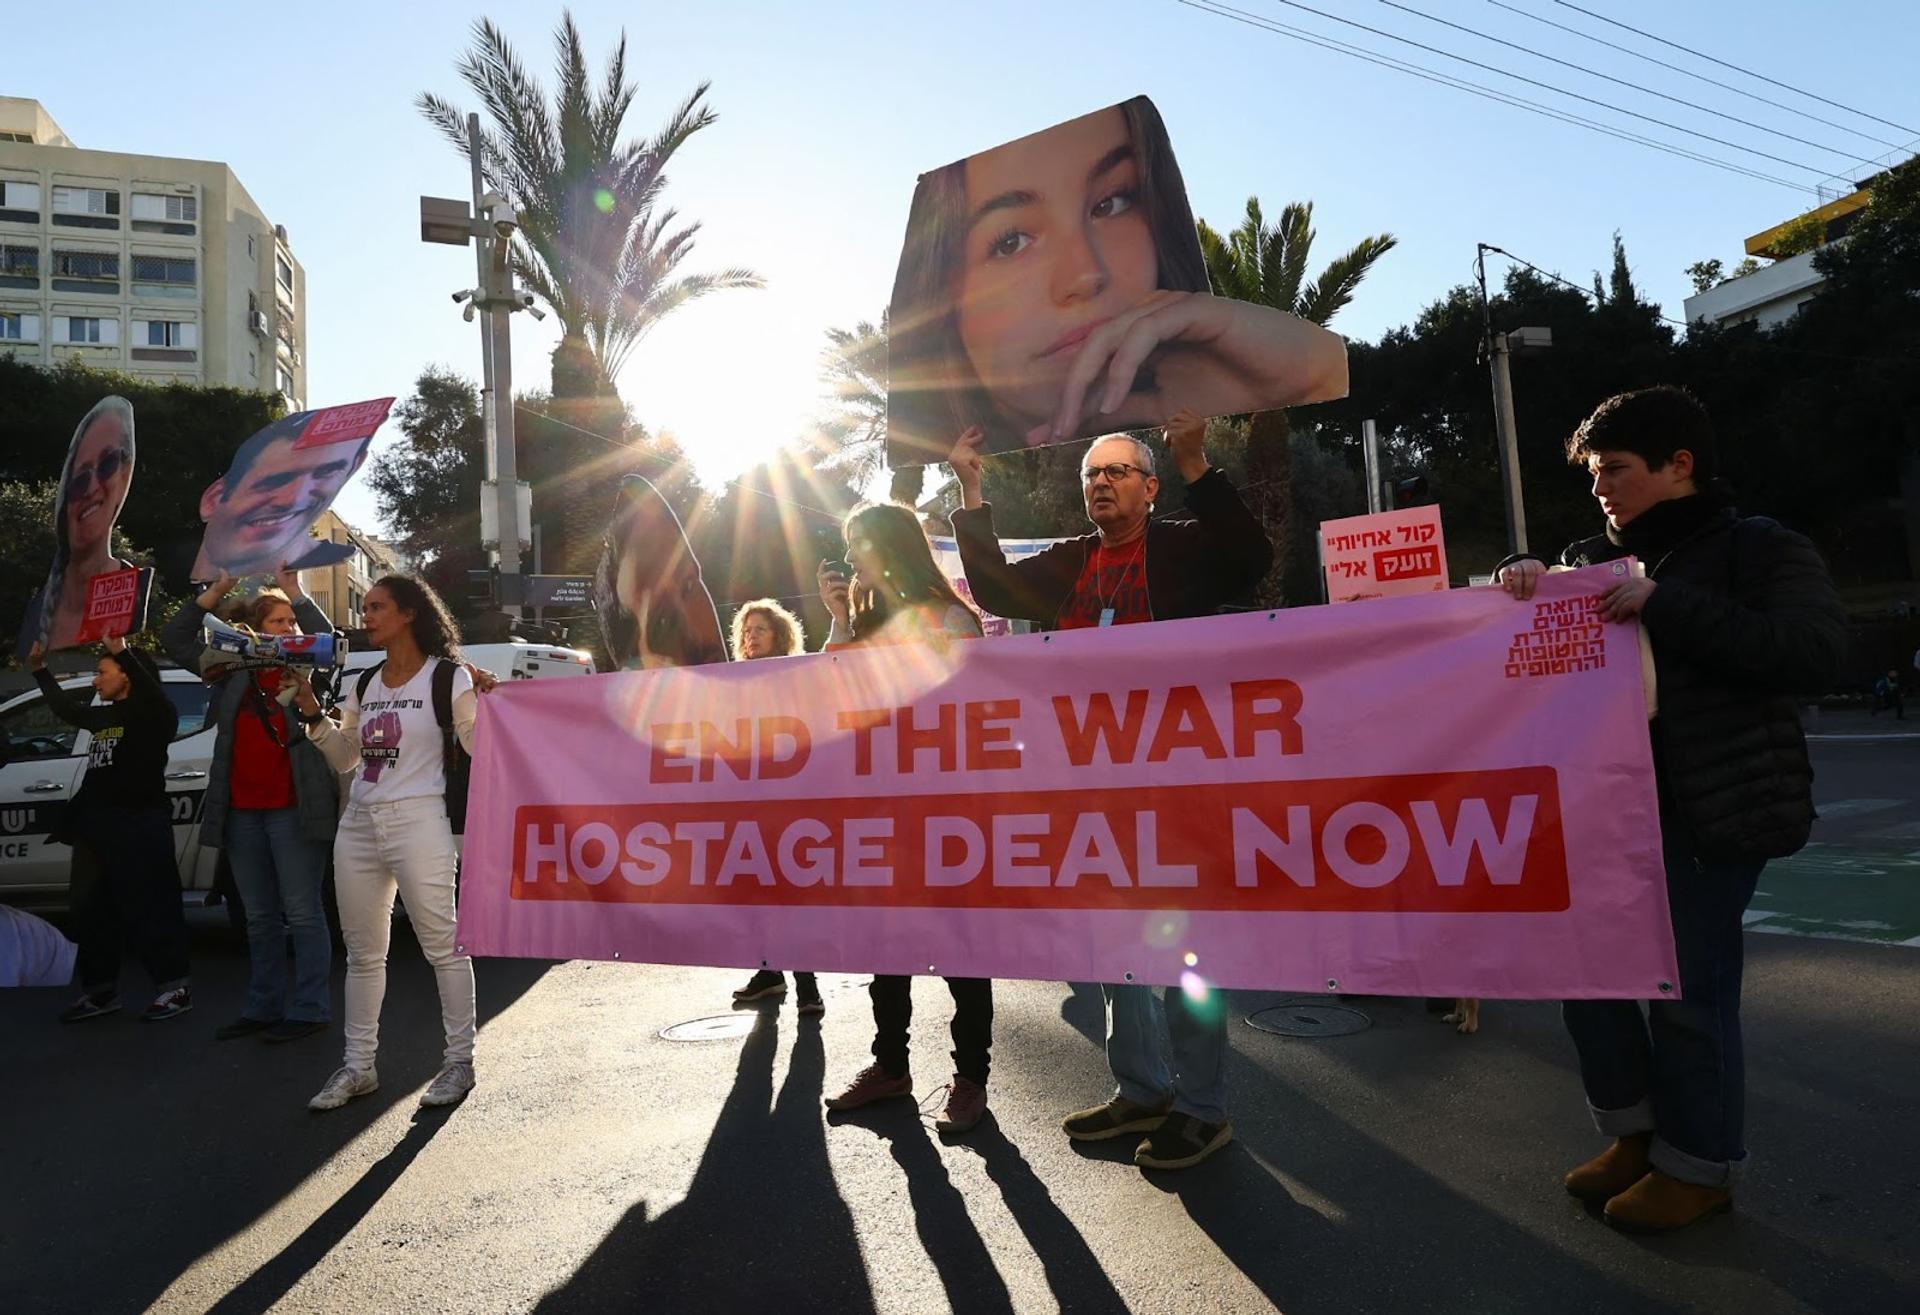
x=1193, y=566
x=127, y=762
x=1744, y=618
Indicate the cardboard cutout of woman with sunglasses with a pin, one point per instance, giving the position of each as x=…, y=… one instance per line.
x=1054, y=287
x=93, y=489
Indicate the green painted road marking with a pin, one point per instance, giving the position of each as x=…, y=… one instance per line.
x=1848, y=892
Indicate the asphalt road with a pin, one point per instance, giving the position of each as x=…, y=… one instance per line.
x=600, y=1167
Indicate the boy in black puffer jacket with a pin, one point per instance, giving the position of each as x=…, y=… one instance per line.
x=1742, y=616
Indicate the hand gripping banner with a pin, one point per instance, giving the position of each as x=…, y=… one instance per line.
x=1449, y=794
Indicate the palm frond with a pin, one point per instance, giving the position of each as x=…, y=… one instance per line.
x=1342, y=276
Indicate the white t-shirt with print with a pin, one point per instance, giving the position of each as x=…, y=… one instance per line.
x=399, y=740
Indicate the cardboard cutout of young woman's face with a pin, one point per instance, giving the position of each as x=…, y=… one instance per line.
x=1053, y=288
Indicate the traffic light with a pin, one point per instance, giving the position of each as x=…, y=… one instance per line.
x=1411, y=492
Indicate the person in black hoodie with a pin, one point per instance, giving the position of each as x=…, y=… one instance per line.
x=121, y=830
x=1742, y=616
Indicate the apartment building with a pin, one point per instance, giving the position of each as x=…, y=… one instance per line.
x=341, y=588
x=162, y=268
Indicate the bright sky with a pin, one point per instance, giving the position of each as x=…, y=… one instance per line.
x=828, y=112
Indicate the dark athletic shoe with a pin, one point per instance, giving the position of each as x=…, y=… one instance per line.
x=292, y=1029
x=763, y=985
x=90, y=1006
x=242, y=1026
x=1181, y=1142
x=1116, y=1118
x=169, y=1004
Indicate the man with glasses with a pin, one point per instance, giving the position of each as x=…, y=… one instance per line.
x=1131, y=569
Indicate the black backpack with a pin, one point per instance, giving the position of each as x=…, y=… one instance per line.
x=454, y=758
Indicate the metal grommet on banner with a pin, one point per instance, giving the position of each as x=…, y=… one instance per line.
x=616, y=954
x=1666, y=988
x=763, y=963
x=1272, y=615
x=1129, y=976
x=459, y=949
x=929, y=970
x=1333, y=983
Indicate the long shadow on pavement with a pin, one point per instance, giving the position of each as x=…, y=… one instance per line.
x=1078, y=1280
x=134, y=1149
x=762, y=1226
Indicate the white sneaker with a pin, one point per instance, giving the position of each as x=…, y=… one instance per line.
x=451, y=1087
x=343, y=1086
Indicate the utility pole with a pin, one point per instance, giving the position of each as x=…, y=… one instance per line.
x=1498, y=350
x=489, y=226
x=1370, y=457
x=1500, y=358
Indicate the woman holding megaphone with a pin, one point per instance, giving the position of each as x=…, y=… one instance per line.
x=272, y=804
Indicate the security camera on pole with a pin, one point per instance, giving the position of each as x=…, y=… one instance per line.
x=506, y=502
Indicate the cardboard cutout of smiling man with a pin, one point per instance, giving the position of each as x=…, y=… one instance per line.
x=89, y=592
x=1053, y=288
x=281, y=480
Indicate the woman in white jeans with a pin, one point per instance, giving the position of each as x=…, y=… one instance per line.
x=395, y=831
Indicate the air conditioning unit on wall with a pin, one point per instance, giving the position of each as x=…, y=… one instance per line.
x=257, y=321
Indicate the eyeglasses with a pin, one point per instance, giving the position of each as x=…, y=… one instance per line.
x=105, y=468
x=1115, y=472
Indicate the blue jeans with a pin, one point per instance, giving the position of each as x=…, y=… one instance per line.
x=1678, y=1070
x=1197, y=1083
x=278, y=872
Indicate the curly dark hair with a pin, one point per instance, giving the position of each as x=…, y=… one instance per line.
x=1653, y=424
x=434, y=629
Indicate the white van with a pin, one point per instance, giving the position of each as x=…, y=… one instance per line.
x=515, y=660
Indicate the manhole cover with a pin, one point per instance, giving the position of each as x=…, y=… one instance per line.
x=1309, y=1018
x=720, y=1027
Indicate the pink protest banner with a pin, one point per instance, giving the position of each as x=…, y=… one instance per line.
x=115, y=600
x=1371, y=800
x=1385, y=555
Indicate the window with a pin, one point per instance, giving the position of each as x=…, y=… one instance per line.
x=86, y=207
x=85, y=329
x=250, y=255
x=284, y=377
x=171, y=333
x=19, y=328
x=19, y=202
x=166, y=209
x=86, y=271
x=189, y=698
x=32, y=731
x=165, y=276
x=253, y=365
x=283, y=271
x=19, y=267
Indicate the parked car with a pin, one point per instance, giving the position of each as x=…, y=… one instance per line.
x=41, y=763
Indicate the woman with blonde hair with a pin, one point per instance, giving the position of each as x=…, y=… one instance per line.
x=765, y=629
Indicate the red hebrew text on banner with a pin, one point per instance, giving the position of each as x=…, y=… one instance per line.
x=113, y=601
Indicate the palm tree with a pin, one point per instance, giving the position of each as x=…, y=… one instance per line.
x=593, y=244
x=852, y=437
x=1268, y=265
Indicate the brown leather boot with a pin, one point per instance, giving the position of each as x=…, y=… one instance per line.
x=1659, y=1204
x=1612, y=1171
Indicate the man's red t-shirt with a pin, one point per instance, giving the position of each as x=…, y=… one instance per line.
x=261, y=774
x=1112, y=579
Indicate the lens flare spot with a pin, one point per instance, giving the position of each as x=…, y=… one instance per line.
x=1165, y=929
x=603, y=201
x=1194, y=986
x=1192, y=959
